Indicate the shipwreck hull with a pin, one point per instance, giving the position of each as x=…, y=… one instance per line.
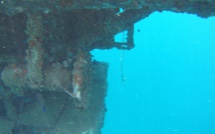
x=49, y=82
x=55, y=112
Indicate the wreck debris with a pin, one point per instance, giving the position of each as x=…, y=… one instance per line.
x=51, y=103
x=45, y=51
x=75, y=82
x=15, y=75
x=81, y=78
x=79, y=72
x=56, y=77
x=34, y=56
x=200, y=7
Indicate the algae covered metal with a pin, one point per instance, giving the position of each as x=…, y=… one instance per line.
x=49, y=83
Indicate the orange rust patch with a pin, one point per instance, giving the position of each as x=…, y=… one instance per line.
x=65, y=3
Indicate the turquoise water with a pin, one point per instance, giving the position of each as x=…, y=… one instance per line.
x=170, y=78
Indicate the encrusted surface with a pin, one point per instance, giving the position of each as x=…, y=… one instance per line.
x=48, y=112
x=201, y=7
x=85, y=24
x=45, y=45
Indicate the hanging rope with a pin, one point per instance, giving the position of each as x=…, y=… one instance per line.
x=122, y=57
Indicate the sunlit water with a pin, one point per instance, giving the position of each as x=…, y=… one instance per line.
x=170, y=78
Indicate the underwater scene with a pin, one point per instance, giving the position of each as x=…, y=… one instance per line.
x=169, y=85
x=107, y=67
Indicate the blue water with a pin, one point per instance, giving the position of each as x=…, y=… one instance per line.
x=170, y=78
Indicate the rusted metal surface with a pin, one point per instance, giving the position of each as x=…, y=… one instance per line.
x=51, y=110
x=203, y=8
x=45, y=52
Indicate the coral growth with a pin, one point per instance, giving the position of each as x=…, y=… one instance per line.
x=80, y=74
x=35, y=51
x=15, y=75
